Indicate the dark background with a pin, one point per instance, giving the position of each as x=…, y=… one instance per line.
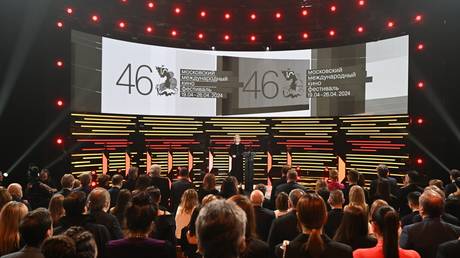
x=30, y=44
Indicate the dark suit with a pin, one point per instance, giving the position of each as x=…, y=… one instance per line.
x=283, y=228
x=403, y=206
x=65, y=191
x=332, y=249
x=334, y=218
x=449, y=249
x=453, y=205
x=109, y=221
x=394, y=188
x=177, y=189
x=163, y=184
x=140, y=248
x=264, y=218
x=278, y=182
x=409, y=218
x=288, y=187
x=256, y=248
x=450, y=188
x=446, y=217
x=236, y=151
x=425, y=237
x=114, y=192
x=26, y=252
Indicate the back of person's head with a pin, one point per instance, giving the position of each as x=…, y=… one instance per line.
x=336, y=198
x=413, y=199
x=209, y=181
x=333, y=174
x=189, y=200
x=5, y=197
x=35, y=227
x=124, y=199
x=261, y=187
x=220, y=229
x=292, y=175
x=209, y=198
x=356, y=195
x=437, y=182
x=85, y=245
x=76, y=183
x=412, y=176
x=294, y=197
x=141, y=214
x=60, y=246
x=85, y=179
x=183, y=172
x=67, y=181
x=436, y=189
x=321, y=184
x=382, y=170
x=431, y=204
x=285, y=169
x=229, y=187
x=56, y=207
x=103, y=181
x=99, y=199
x=155, y=194
x=354, y=225
x=133, y=172
x=385, y=221
x=155, y=170
x=75, y=203
x=454, y=174
x=282, y=201
x=312, y=215
x=10, y=218
x=353, y=176
x=257, y=197
x=142, y=182
x=15, y=190
x=375, y=206
x=117, y=180
x=244, y=203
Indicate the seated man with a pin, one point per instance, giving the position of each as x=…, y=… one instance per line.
x=413, y=203
x=263, y=216
x=220, y=230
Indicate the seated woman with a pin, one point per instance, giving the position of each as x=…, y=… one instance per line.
x=312, y=215
x=208, y=186
x=139, y=220
x=353, y=229
x=385, y=224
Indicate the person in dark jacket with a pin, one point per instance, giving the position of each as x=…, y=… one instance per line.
x=453, y=201
x=285, y=227
x=334, y=216
x=449, y=249
x=85, y=180
x=75, y=206
x=383, y=174
x=410, y=179
x=178, y=188
x=354, y=229
x=99, y=205
x=66, y=184
x=291, y=183
x=278, y=182
x=311, y=214
x=114, y=191
x=133, y=174
x=353, y=177
x=451, y=187
x=263, y=216
x=425, y=237
x=162, y=183
x=413, y=203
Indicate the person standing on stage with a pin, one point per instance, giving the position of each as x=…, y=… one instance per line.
x=236, y=152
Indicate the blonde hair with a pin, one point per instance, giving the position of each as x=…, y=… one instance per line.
x=189, y=200
x=10, y=216
x=56, y=207
x=357, y=198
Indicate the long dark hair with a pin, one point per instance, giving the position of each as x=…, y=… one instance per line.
x=353, y=226
x=387, y=221
x=244, y=203
x=312, y=214
x=229, y=187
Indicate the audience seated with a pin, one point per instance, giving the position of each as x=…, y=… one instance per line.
x=311, y=214
x=322, y=190
x=334, y=215
x=385, y=224
x=67, y=181
x=208, y=186
x=35, y=227
x=291, y=183
x=85, y=180
x=189, y=201
x=162, y=183
x=353, y=229
x=60, y=246
x=165, y=224
x=229, y=187
x=98, y=207
x=10, y=218
x=413, y=203
x=85, y=245
x=281, y=205
x=188, y=240
x=75, y=208
x=5, y=197
x=383, y=174
x=383, y=192
x=182, y=184
x=15, y=190
x=142, y=182
x=451, y=187
x=446, y=217
x=278, y=182
x=103, y=181
x=425, y=237
x=119, y=211
x=285, y=227
x=220, y=230
x=254, y=247
x=410, y=182
x=263, y=216
x=56, y=208
x=139, y=219
x=114, y=191
x=263, y=189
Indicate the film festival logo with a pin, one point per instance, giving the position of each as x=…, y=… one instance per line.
x=169, y=86
x=295, y=88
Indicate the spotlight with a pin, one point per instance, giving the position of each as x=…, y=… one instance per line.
x=93, y=184
x=420, y=46
x=200, y=35
x=279, y=37
x=332, y=33
x=203, y=14
x=5, y=174
x=267, y=49
x=419, y=161
x=177, y=10
x=333, y=8
x=121, y=25
x=253, y=38
x=59, y=24
x=278, y=15
x=59, y=63
x=360, y=29
x=361, y=2
x=150, y=5
x=59, y=141
x=420, y=121
x=213, y=48
x=60, y=103
x=124, y=1
x=420, y=84
x=253, y=16
x=305, y=35
x=418, y=18
x=227, y=16
x=69, y=10
x=149, y=29
x=390, y=24
x=173, y=33
x=226, y=37
x=95, y=18
x=304, y=12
